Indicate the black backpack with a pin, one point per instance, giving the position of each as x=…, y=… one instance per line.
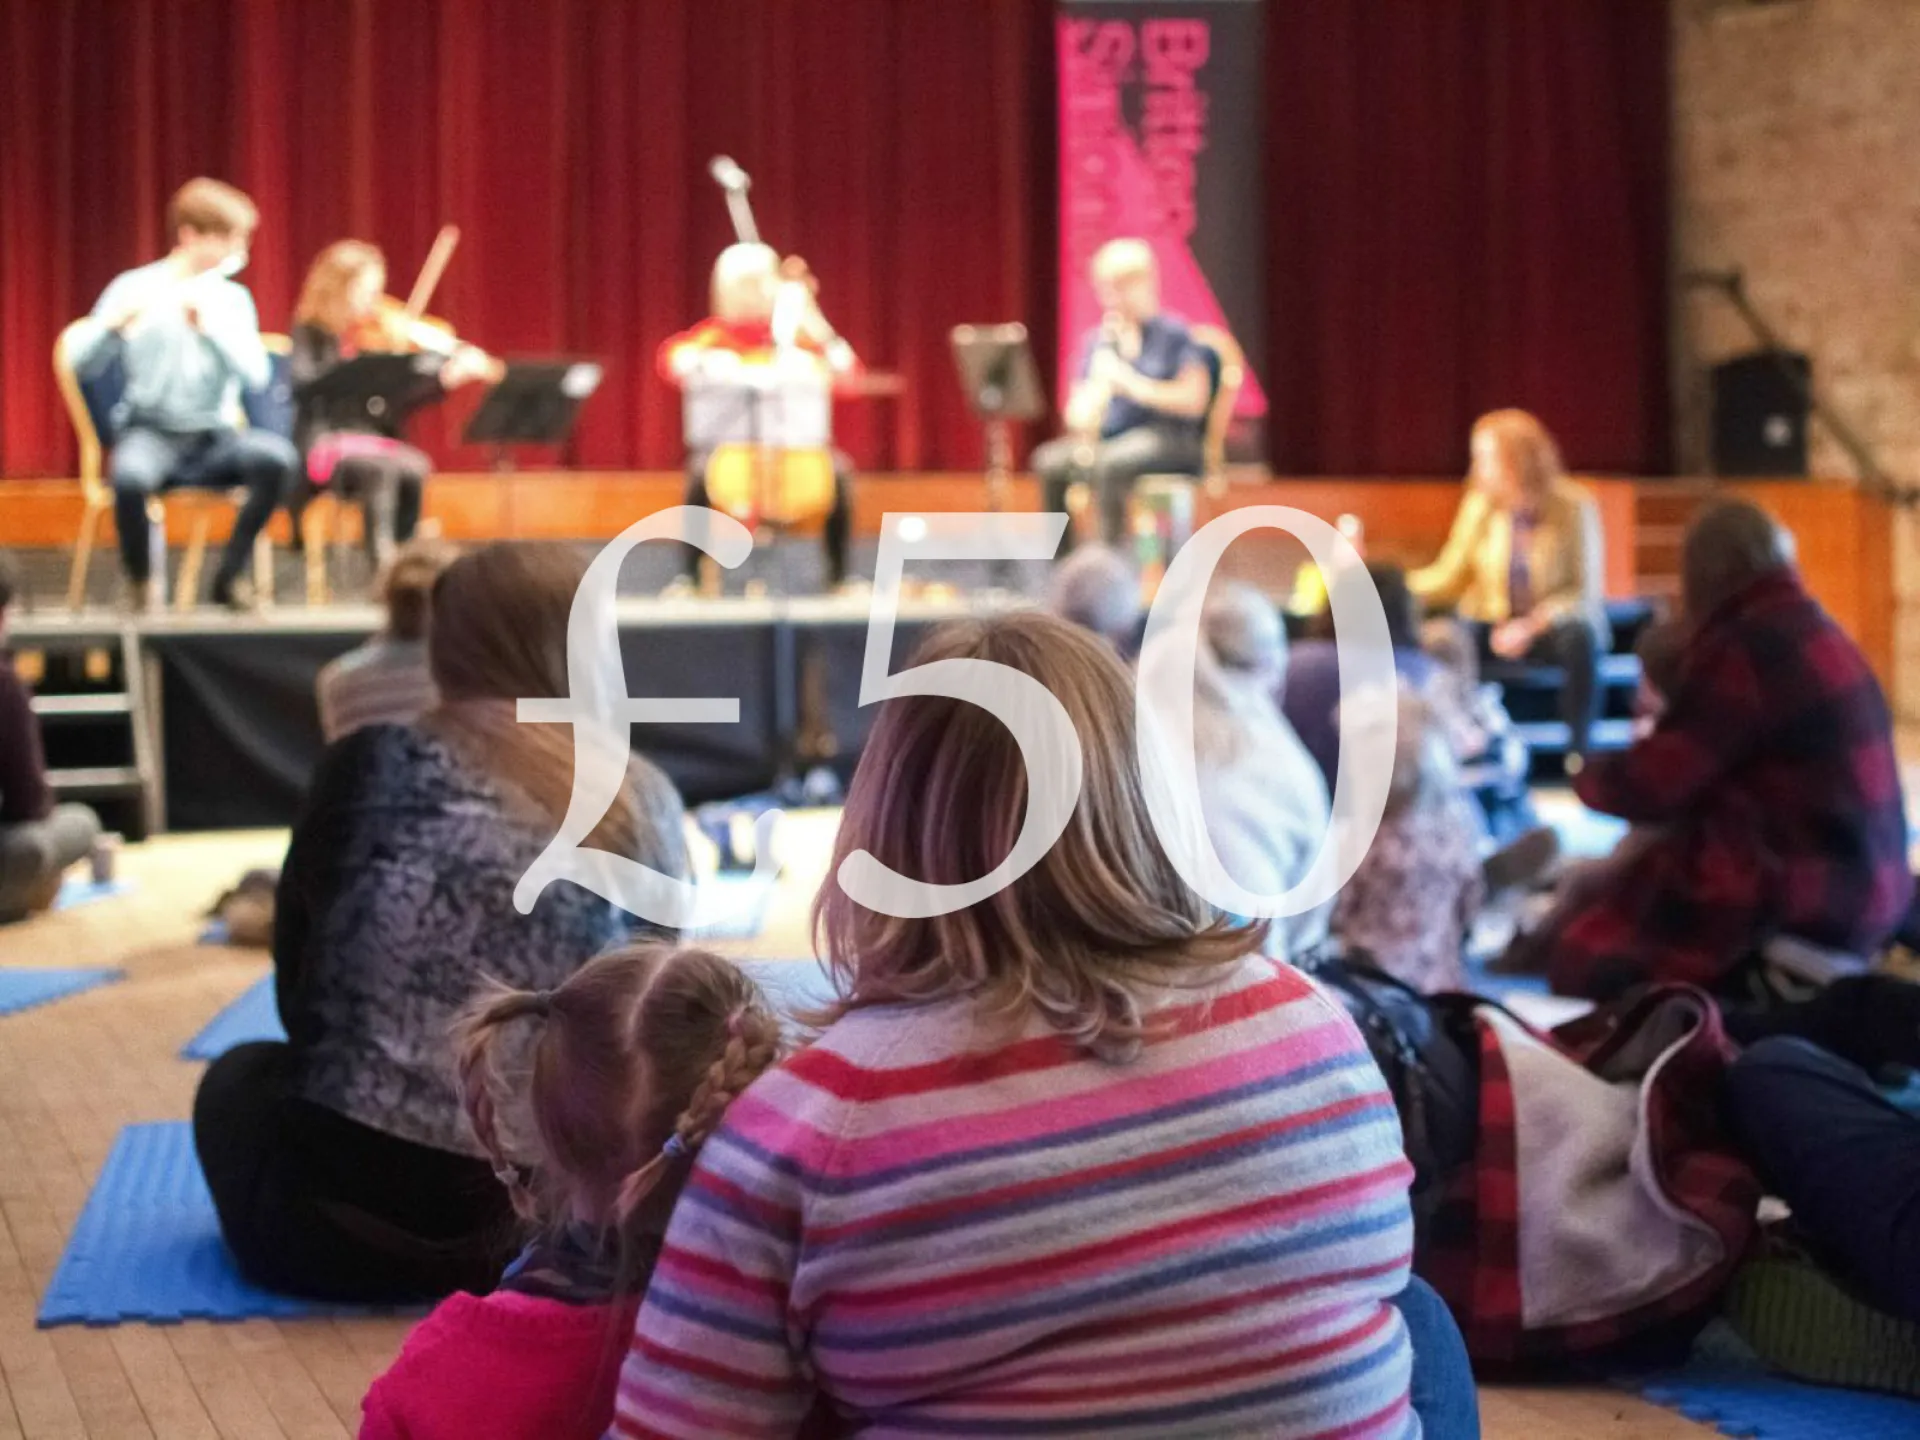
x=1417, y=1041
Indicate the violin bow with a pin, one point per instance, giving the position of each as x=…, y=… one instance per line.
x=431, y=269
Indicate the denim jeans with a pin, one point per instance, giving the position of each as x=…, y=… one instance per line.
x=1444, y=1396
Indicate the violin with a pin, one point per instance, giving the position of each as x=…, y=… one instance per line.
x=402, y=326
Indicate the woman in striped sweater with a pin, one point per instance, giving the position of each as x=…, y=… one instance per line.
x=1074, y=1160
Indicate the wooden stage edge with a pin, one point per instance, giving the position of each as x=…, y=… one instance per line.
x=1845, y=537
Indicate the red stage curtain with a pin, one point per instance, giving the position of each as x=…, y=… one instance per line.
x=1468, y=206
x=1467, y=197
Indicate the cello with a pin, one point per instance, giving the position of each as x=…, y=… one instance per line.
x=776, y=485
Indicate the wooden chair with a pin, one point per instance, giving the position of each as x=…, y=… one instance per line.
x=1230, y=379
x=91, y=401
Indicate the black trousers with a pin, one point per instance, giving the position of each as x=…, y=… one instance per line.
x=1843, y=1156
x=835, y=537
x=147, y=461
x=312, y=1203
x=390, y=489
x=1569, y=645
x=1111, y=467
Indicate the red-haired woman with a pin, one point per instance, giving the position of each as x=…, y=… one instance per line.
x=1525, y=559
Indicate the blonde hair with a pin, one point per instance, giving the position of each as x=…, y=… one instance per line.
x=746, y=260
x=1124, y=258
x=1525, y=445
x=323, y=295
x=637, y=1057
x=211, y=207
x=1085, y=937
x=499, y=634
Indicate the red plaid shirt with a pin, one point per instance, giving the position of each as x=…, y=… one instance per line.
x=1773, y=778
x=1470, y=1251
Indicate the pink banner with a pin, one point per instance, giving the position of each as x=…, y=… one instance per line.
x=1160, y=140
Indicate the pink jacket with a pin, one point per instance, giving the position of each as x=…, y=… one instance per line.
x=504, y=1365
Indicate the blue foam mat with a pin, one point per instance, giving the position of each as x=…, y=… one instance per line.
x=77, y=890
x=1745, y=1401
x=23, y=989
x=790, y=984
x=148, y=1246
x=253, y=1015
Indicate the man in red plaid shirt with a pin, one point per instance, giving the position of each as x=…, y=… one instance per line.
x=1769, y=792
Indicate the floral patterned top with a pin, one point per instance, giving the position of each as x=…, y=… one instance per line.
x=1416, y=893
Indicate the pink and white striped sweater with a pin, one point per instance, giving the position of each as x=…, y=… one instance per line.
x=947, y=1235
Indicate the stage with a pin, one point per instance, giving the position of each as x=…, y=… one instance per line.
x=228, y=700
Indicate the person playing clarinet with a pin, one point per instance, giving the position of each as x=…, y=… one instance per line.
x=1139, y=404
x=764, y=318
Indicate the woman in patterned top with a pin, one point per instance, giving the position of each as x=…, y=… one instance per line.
x=339, y=1160
x=1415, y=895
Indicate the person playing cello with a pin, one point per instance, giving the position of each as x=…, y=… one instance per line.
x=750, y=286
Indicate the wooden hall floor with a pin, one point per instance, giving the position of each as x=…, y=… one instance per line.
x=72, y=1073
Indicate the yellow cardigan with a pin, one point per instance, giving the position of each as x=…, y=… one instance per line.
x=1566, y=561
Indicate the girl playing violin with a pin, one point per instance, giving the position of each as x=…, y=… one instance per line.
x=344, y=312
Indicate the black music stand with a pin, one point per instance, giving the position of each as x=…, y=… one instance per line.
x=384, y=387
x=998, y=373
x=535, y=403
x=1003, y=389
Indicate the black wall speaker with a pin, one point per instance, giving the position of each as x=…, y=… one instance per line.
x=1760, y=413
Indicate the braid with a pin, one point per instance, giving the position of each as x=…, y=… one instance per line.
x=476, y=1033
x=753, y=1043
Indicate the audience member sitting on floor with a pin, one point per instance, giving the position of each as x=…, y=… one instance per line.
x=1073, y=1124
x=1415, y=895
x=339, y=1161
x=1495, y=764
x=386, y=680
x=1098, y=590
x=1311, y=698
x=1525, y=558
x=38, y=839
x=1659, y=649
x=1520, y=848
x=634, y=1060
x=1264, y=803
x=1771, y=778
x=1846, y=1160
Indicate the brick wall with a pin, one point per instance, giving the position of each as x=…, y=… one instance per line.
x=1797, y=135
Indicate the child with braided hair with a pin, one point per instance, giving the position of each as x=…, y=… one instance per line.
x=591, y=1123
